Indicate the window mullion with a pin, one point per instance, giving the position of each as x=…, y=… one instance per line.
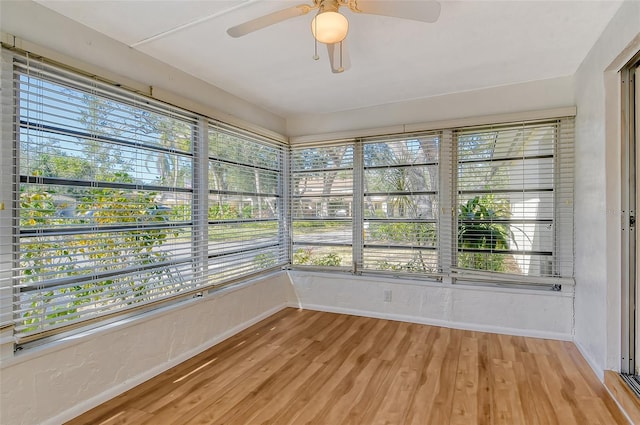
x=446, y=216
x=358, y=202
x=563, y=199
x=201, y=201
x=286, y=233
x=8, y=152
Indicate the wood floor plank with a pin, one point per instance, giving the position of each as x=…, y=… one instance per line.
x=507, y=408
x=378, y=406
x=225, y=369
x=464, y=409
x=308, y=367
x=485, y=389
x=441, y=410
x=351, y=361
x=424, y=396
x=528, y=398
x=369, y=397
x=559, y=390
x=228, y=389
x=623, y=395
x=331, y=361
x=546, y=412
x=167, y=387
x=126, y=417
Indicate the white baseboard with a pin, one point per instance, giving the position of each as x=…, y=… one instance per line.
x=137, y=380
x=596, y=369
x=438, y=322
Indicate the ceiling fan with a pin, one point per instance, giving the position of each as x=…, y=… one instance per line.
x=330, y=27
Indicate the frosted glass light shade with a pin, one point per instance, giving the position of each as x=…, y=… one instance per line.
x=329, y=27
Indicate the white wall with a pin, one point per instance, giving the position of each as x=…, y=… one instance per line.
x=535, y=313
x=530, y=96
x=597, y=190
x=62, y=380
x=42, y=31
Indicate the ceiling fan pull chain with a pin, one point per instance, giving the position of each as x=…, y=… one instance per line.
x=315, y=40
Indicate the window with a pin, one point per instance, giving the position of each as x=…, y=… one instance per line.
x=245, y=225
x=114, y=211
x=514, y=199
x=401, y=205
x=482, y=204
x=322, y=205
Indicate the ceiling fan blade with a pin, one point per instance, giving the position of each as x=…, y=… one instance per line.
x=334, y=57
x=424, y=11
x=267, y=20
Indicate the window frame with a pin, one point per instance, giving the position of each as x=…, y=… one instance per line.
x=403, y=156
x=561, y=189
x=447, y=231
x=304, y=254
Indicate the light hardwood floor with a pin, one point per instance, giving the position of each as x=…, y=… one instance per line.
x=307, y=367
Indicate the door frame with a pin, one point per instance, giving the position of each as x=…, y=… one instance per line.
x=630, y=185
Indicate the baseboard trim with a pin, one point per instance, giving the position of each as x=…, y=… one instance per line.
x=437, y=322
x=623, y=396
x=594, y=366
x=137, y=380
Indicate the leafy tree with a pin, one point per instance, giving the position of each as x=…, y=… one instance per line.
x=328, y=164
x=243, y=166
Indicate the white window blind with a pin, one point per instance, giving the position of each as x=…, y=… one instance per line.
x=322, y=205
x=514, y=205
x=482, y=204
x=103, y=200
x=245, y=209
x=401, y=204
x=121, y=203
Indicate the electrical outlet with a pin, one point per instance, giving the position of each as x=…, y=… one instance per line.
x=387, y=295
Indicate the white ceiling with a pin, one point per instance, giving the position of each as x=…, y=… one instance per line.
x=475, y=44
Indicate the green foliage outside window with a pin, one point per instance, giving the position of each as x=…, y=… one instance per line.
x=265, y=260
x=482, y=233
x=85, y=255
x=308, y=257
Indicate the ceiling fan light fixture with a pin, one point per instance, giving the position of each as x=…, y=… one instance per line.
x=329, y=27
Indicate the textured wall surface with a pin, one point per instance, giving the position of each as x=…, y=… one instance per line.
x=66, y=378
x=511, y=311
x=596, y=189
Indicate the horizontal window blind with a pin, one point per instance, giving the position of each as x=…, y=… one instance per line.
x=246, y=232
x=401, y=205
x=322, y=206
x=121, y=203
x=103, y=200
x=514, y=203
x=8, y=171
